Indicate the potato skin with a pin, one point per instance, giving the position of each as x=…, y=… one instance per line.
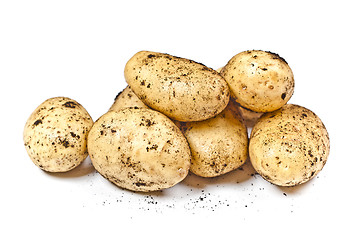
x=218, y=145
x=259, y=81
x=55, y=135
x=125, y=99
x=250, y=117
x=139, y=149
x=289, y=146
x=180, y=88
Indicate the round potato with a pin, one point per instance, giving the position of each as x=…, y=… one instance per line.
x=125, y=99
x=289, y=146
x=55, y=135
x=180, y=88
x=259, y=81
x=139, y=149
x=218, y=145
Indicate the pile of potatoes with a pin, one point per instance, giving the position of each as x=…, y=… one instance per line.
x=177, y=115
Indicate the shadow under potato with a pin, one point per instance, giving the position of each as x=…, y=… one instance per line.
x=293, y=189
x=238, y=175
x=83, y=169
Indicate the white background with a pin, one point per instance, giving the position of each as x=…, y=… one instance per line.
x=79, y=49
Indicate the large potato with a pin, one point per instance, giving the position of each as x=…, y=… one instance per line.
x=55, y=135
x=139, y=149
x=259, y=81
x=125, y=99
x=180, y=88
x=289, y=146
x=218, y=145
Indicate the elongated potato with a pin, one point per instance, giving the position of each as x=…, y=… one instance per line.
x=180, y=88
x=139, y=149
x=289, y=146
x=218, y=145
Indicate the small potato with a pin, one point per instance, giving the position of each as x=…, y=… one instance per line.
x=180, y=88
x=259, y=81
x=125, y=99
x=218, y=145
x=289, y=146
x=139, y=149
x=55, y=135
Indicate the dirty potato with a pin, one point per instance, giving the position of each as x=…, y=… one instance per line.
x=55, y=135
x=180, y=88
x=218, y=145
x=139, y=149
x=125, y=99
x=258, y=80
x=289, y=146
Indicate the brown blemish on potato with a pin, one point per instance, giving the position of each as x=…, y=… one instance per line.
x=74, y=135
x=64, y=142
x=37, y=122
x=70, y=104
x=277, y=56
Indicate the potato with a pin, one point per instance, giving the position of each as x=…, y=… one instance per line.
x=139, y=149
x=259, y=81
x=289, y=146
x=218, y=145
x=55, y=135
x=126, y=98
x=249, y=117
x=181, y=89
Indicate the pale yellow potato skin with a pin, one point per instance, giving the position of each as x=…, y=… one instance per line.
x=258, y=80
x=249, y=117
x=125, y=99
x=180, y=88
x=55, y=135
x=139, y=149
x=218, y=145
x=289, y=146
